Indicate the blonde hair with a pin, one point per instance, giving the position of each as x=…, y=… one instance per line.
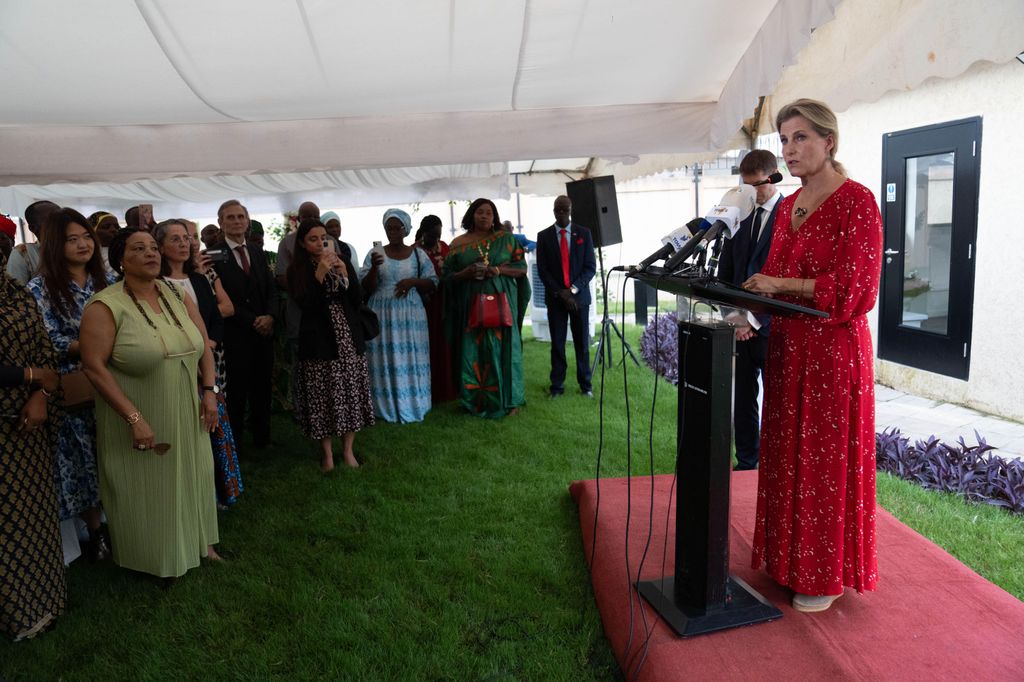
x=822, y=120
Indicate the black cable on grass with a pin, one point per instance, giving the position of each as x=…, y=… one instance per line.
x=672, y=487
x=600, y=433
x=629, y=484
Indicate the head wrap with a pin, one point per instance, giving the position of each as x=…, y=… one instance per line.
x=330, y=215
x=7, y=226
x=401, y=215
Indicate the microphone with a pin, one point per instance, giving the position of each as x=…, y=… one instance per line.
x=686, y=250
x=670, y=244
x=773, y=179
x=731, y=210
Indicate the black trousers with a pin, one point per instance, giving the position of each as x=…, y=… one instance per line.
x=560, y=319
x=746, y=418
x=250, y=365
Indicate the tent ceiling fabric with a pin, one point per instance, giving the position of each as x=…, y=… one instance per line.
x=237, y=88
x=922, y=39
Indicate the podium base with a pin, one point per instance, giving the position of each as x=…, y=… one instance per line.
x=743, y=606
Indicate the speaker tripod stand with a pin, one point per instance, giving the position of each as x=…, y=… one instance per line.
x=607, y=327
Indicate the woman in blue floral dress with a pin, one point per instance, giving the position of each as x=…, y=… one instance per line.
x=70, y=271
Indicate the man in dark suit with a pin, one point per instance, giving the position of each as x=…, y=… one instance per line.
x=742, y=256
x=566, y=264
x=248, y=334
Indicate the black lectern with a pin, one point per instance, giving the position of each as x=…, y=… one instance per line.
x=702, y=597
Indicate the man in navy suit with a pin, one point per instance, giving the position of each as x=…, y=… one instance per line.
x=743, y=256
x=248, y=334
x=566, y=264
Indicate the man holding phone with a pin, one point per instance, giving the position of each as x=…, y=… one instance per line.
x=248, y=334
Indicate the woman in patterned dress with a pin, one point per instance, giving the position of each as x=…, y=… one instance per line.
x=32, y=587
x=428, y=238
x=395, y=278
x=815, y=526
x=71, y=270
x=178, y=266
x=333, y=384
x=142, y=349
x=488, y=361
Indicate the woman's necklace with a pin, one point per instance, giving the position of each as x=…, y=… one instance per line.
x=163, y=301
x=483, y=253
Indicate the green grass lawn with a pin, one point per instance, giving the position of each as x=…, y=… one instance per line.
x=454, y=553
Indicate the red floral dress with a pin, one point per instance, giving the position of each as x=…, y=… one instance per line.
x=815, y=527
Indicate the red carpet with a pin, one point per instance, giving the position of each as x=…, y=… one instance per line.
x=932, y=618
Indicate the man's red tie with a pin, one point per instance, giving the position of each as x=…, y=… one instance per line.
x=565, y=259
x=244, y=258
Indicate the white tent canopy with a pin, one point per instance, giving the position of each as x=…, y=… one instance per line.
x=184, y=103
x=133, y=94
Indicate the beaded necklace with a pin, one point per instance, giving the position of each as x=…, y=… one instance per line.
x=163, y=301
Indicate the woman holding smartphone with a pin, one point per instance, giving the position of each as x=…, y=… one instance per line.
x=397, y=276
x=333, y=385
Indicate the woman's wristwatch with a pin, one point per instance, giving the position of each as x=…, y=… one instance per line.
x=214, y=388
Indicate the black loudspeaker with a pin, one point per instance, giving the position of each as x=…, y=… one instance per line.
x=594, y=206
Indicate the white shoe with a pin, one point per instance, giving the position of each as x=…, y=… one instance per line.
x=811, y=604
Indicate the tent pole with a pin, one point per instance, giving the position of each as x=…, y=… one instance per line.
x=519, y=212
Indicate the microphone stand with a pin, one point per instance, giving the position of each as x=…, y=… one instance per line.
x=607, y=327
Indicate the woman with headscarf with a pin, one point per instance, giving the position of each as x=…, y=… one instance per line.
x=105, y=226
x=332, y=387
x=486, y=294
x=396, y=277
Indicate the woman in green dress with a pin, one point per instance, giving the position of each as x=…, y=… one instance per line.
x=487, y=360
x=141, y=348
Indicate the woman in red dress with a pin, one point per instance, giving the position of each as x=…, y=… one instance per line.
x=815, y=528
x=442, y=385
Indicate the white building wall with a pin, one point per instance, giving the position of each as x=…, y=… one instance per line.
x=996, y=93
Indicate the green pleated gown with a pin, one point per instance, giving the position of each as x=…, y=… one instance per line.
x=161, y=508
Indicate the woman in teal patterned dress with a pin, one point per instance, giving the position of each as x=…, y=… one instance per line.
x=395, y=277
x=487, y=361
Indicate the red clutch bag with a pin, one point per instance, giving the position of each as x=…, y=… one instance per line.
x=490, y=310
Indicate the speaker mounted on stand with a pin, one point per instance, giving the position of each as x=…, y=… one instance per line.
x=595, y=206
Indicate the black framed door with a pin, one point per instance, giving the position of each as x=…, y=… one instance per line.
x=930, y=214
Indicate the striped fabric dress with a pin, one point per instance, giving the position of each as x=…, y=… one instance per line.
x=161, y=508
x=399, y=358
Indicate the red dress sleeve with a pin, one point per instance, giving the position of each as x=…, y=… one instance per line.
x=850, y=287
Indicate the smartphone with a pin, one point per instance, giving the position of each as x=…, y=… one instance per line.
x=377, y=245
x=218, y=255
x=145, y=215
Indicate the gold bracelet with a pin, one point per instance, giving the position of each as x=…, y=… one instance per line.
x=45, y=392
x=133, y=418
x=31, y=378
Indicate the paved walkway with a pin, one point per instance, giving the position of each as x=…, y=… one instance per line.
x=918, y=418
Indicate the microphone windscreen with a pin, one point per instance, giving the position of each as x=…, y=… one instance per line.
x=775, y=178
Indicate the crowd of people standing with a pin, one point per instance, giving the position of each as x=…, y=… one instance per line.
x=134, y=363
x=137, y=365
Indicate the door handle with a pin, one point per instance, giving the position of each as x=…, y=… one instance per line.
x=891, y=252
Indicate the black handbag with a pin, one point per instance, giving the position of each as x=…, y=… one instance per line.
x=369, y=322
